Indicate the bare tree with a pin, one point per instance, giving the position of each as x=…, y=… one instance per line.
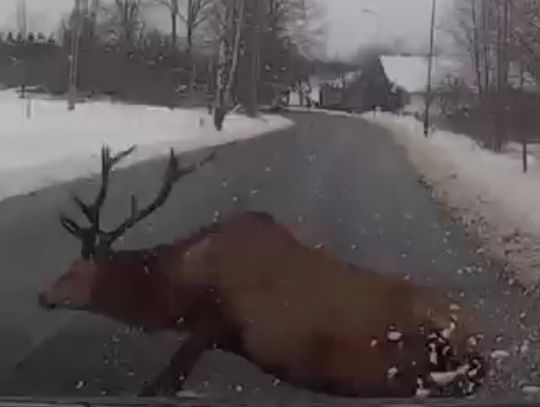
x=191, y=12
x=503, y=39
x=476, y=47
x=74, y=54
x=228, y=17
x=257, y=42
x=195, y=15
x=125, y=21
x=485, y=42
x=173, y=9
x=239, y=17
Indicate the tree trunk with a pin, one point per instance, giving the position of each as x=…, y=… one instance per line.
x=500, y=46
x=190, y=26
x=476, y=49
x=506, y=45
x=191, y=64
x=485, y=40
x=253, y=105
x=174, y=26
x=220, y=109
x=236, y=50
x=501, y=61
x=228, y=60
x=74, y=56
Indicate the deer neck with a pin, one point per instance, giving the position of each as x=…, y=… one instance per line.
x=134, y=287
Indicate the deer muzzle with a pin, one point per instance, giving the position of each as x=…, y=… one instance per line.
x=44, y=302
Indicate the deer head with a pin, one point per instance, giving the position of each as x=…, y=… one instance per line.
x=98, y=263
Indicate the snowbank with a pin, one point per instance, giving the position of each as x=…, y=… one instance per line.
x=55, y=145
x=489, y=192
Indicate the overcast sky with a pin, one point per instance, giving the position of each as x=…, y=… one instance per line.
x=348, y=23
x=351, y=23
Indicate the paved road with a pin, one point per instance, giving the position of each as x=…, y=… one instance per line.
x=333, y=180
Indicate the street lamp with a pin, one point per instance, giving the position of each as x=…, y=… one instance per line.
x=430, y=66
x=378, y=18
x=74, y=55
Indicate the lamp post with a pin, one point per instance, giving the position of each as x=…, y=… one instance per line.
x=378, y=18
x=74, y=55
x=430, y=66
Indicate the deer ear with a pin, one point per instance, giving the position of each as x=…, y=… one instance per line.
x=196, y=262
x=196, y=252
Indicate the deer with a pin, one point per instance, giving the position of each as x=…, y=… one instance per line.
x=246, y=285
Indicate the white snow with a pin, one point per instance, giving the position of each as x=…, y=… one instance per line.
x=394, y=336
x=444, y=378
x=500, y=354
x=486, y=191
x=392, y=372
x=54, y=145
x=454, y=307
x=531, y=389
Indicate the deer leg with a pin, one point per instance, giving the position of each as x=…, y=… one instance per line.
x=175, y=374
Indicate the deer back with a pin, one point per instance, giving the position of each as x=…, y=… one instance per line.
x=302, y=311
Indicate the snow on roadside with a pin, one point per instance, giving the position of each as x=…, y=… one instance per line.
x=55, y=145
x=489, y=192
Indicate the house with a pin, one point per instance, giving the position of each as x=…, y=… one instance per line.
x=300, y=92
x=520, y=79
x=361, y=90
x=332, y=91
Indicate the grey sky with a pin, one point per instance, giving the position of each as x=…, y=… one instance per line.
x=351, y=23
x=347, y=26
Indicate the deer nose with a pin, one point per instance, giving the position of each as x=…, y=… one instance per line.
x=43, y=303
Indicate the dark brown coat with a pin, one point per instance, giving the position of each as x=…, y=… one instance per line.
x=248, y=286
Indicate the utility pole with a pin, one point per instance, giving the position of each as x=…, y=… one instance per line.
x=22, y=23
x=430, y=66
x=253, y=106
x=22, y=19
x=74, y=55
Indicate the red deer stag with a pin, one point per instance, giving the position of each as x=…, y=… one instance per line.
x=247, y=286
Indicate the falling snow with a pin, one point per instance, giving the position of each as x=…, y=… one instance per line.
x=238, y=388
x=394, y=336
x=444, y=378
x=392, y=372
x=500, y=354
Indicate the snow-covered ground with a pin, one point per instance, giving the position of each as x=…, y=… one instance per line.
x=488, y=192
x=53, y=145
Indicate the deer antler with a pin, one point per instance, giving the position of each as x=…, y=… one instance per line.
x=92, y=237
x=92, y=212
x=89, y=235
x=171, y=176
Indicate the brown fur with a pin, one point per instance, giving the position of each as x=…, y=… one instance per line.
x=248, y=286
